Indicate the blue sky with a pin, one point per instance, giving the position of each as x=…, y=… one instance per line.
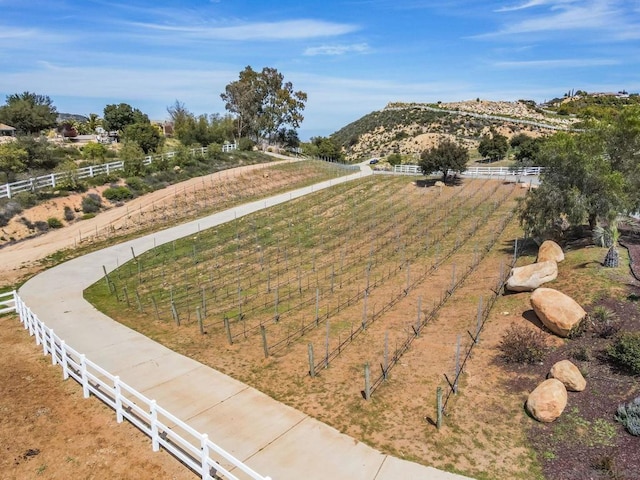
x=350, y=57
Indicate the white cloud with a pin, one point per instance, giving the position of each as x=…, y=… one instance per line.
x=609, y=18
x=534, y=3
x=558, y=63
x=337, y=49
x=283, y=30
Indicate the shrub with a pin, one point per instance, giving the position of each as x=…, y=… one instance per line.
x=53, y=222
x=69, y=214
x=604, y=322
x=117, y=194
x=91, y=203
x=580, y=353
x=137, y=185
x=42, y=226
x=11, y=209
x=26, y=199
x=578, y=329
x=629, y=416
x=245, y=144
x=625, y=352
x=523, y=345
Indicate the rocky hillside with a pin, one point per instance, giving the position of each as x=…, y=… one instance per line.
x=410, y=128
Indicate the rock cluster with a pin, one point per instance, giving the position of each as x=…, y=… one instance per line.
x=560, y=314
x=530, y=277
x=549, y=399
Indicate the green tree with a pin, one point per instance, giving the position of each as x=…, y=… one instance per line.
x=394, y=159
x=263, y=103
x=29, y=113
x=92, y=123
x=527, y=152
x=622, y=145
x=493, y=146
x=133, y=157
x=242, y=99
x=201, y=130
x=68, y=179
x=117, y=117
x=323, y=147
x=94, y=151
x=519, y=139
x=446, y=156
x=13, y=159
x=579, y=184
x=147, y=136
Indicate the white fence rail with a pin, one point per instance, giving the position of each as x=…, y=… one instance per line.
x=192, y=448
x=7, y=302
x=8, y=190
x=475, y=171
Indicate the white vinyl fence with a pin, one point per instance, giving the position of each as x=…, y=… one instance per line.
x=193, y=448
x=8, y=190
x=475, y=171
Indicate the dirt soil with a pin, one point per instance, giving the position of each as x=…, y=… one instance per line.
x=49, y=431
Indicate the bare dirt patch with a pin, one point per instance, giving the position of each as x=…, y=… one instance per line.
x=48, y=430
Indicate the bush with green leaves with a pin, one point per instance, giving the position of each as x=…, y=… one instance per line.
x=118, y=194
x=604, y=322
x=245, y=144
x=54, y=222
x=521, y=344
x=91, y=203
x=625, y=352
x=629, y=415
x=26, y=199
x=137, y=185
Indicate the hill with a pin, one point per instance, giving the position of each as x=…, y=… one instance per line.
x=410, y=128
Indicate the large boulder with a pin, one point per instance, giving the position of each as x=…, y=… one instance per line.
x=558, y=312
x=530, y=277
x=547, y=401
x=569, y=375
x=550, y=250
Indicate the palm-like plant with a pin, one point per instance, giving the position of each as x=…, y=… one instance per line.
x=608, y=237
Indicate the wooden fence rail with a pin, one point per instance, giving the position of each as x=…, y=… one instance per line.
x=192, y=448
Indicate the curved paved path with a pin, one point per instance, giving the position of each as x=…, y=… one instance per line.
x=270, y=437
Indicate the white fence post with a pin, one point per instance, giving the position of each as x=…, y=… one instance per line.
x=118, y=394
x=34, y=327
x=205, y=456
x=155, y=443
x=45, y=342
x=63, y=356
x=52, y=348
x=83, y=376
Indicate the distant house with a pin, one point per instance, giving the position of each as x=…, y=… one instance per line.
x=165, y=127
x=7, y=131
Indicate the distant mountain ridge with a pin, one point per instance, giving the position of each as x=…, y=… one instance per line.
x=62, y=117
x=410, y=128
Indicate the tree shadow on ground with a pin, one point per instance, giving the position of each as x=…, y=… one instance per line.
x=430, y=182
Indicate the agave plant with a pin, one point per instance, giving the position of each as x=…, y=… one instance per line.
x=608, y=237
